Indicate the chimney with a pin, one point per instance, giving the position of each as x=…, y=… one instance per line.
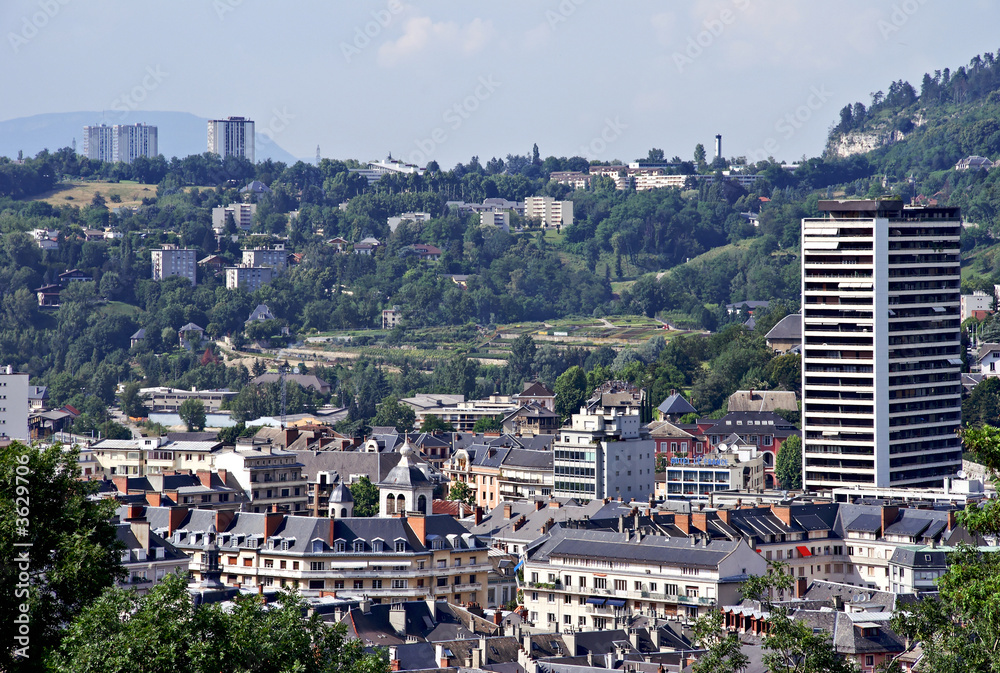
x=633, y=637
x=683, y=522
x=783, y=512
x=506, y=511
x=223, y=475
x=889, y=515
x=952, y=519
x=175, y=517
x=394, y=663
x=121, y=483
x=723, y=515
x=134, y=513
x=569, y=637
x=141, y=531
x=539, y=504
x=432, y=608
x=546, y=526
x=555, y=504
x=397, y=619
x=223, y=519
x=205, y=477
x=699, y=520
x=154, y=499
x=656, y=635
x=498, y=617
x=478, y=515
x=291, y=434
x=526, y=643
x=418, y=524
x=271, y=522
x=365, y=605
x=439, y=656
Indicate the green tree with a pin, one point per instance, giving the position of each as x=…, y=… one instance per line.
x=788, y=465
x=434, y=423
x=522, y=356
x=392, y=412
x=59, y=547
x=571, y=391
x=724, y=652
x=133, y=404
x=699, y=154
x=488, y=424
x=983, y=404
x=192, y=412
x=365, y=495
x=461, y=492
x=165, y=631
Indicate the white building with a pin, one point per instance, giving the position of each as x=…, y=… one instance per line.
x=13, y=404
x=242, y=215
x=173, y=261
x=376, y=169
x=881, y=361
x=599, y=456
x=394, y=222
x=548, y=211
x=233, y=136
x=275, y=257
x=252, y=278
x=977, y=301
x=121, y=142
x=496, y=218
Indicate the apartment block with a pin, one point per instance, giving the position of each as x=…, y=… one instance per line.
x=599, y=456
x=14, y=404
x=270, y=477
x=121, y=142
x=276, y=257
x=233, y=136
x=250, y=278
x=173, y=261
x=548, y=211
x=881, y=361
x=242, y=216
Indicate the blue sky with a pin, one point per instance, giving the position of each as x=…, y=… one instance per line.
x=445, y=81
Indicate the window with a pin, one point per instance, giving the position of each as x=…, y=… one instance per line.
x=338, y=584
x=400, y=546
x=600, y=583
x=568, y=619
x=269, y=563
x=552, y=617
x=442, y=581
x=376, y=584
x=534, y=595
x=869, y=660
x=399, y=584
x=248, y=563
x=317, y=565
x=620, y=585
x=359, y=584
x=552, y=598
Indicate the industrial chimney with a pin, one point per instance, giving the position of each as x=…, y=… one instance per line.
x=718, y=146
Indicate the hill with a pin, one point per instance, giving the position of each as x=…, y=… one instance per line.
x=180, y=134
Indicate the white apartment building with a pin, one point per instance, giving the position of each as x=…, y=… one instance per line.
x=121, y=142
x=977, y=301
x=151, y=455
x=276, y=257
x=881, y=361
x=601, y=456
x=169, y=400
x=251, y=278
x=496, y=218
x=585, y=578
x=548, y=211
x=173, y=261
x=242, y=215
x=13, y=404
x=394, y=222
x=270, y=477
x=233, y=136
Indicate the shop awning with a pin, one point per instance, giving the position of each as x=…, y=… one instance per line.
x=594, y=600
x=804, y=551
x=616, y=602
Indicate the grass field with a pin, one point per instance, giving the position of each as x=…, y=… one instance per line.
x=78, y=193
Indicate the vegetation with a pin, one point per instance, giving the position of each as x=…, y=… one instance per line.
x=788, y=465
x=365, y=495
x=461, y=492
x=192, y=413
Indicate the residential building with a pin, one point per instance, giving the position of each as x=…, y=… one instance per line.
x=976, y=304
x=587, y=578
x=242, y=214
x=271, y=478
x=598, y=456
x=169, y=400
x=173, y=261
x=764, y=429
x=496, y=218
x=425, y=251
x=259, y=314
x=391, y=317
x=574, y=179
x=548, y=211
x=463, y=415
x=381, y=559
x=673, y=407
x=48, y=295
x=191, y=335
x=276, y=257
x=916, y=568
x=986, y=358
x=233, y=136
x=881, y=401
x=672, y=439
x=394, y=222
x=786, y=335
x=531, y=419
x=146, y=557
x=145, y=456
x=762, y=400
x=202, y=489
x=490, y=204
x=131, y=141
x=38, y=398
x=974, y=162
x=98, y=142
x=498, y=474
x=250, y=278
x=538, y=393
x=405, y=488
x=14, y=404
x=737, y=467
x=618, y=397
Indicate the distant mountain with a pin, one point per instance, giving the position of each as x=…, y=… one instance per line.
x=179, y=134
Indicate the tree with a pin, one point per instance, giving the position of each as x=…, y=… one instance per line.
x=165, y=631
x=699, y=154
x=461, y=492
x=434, y=423
x=571, y=391
x=365, y=496
x=488, y=424
x=522, y=356
x=788, y=465
x=983, y=403
x=393, y=412
x=192, y=412
x=58, y=546
x=724, y=653
x=133, y=404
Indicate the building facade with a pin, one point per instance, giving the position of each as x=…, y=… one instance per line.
x=121, y=142
x=242, y=216
x=550, y=212
x=250, y=278
x=276, y=257
x=14, y=405
x=173, y=261
x=233, y=136
x=271, y=478
x=597, y=457
x=881, y=361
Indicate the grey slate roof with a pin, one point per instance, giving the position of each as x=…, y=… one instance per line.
x=676, y=404
x=788, y=328
x=626, y=547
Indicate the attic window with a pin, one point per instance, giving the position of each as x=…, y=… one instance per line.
x=340, y=546
x=377, y=545
x=359, y=545
x=400, y=546
x=284, y=545
x=927, y=557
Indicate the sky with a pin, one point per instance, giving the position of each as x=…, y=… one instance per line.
x=446, y=81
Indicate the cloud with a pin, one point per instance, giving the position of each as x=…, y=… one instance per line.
x=421, y=35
